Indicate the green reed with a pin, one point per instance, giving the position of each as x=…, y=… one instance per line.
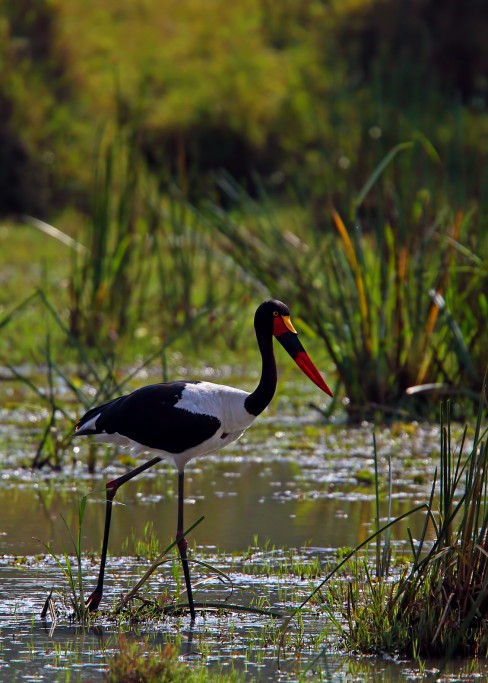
x=73, y=572
x=108, y=277
x=148, y=269
x=387, y=278
x=433, y=604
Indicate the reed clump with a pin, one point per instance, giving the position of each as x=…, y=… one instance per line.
x=390, y=278
x=436, y=606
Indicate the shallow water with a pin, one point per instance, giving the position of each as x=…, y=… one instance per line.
x=290, y=483
x=295, y=486
x=33, y=649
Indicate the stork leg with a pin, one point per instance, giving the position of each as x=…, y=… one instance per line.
x=182, y=542
x=111, y=489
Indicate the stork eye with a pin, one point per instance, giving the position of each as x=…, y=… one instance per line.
x=275, y=313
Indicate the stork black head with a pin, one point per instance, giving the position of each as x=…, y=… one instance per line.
x=267, y=313
x=273, y=318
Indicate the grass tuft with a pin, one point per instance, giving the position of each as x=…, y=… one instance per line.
x=136, y=662
x=73, y=573
x=437, y=606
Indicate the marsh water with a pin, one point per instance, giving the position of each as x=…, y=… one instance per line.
x=293, y=490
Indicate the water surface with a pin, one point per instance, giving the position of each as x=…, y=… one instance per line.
x=293, y=486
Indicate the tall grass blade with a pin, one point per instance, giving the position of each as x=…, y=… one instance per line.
x=55, y=233
x=373, y=178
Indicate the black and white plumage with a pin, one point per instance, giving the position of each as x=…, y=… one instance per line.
x=178, y=421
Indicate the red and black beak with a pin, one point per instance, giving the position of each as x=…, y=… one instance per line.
x=286, y=334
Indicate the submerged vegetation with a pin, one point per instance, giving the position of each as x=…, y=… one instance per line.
x=139, y=662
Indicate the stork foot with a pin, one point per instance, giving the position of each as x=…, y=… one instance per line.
x=94, y=600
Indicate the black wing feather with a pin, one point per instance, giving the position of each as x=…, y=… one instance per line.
x=150, y=417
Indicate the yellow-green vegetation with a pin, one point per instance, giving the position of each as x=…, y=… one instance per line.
x=390, y=287
x=134, y=661
x=314, y=90
x=435, y=604
x=207, y=157
x=203, y=85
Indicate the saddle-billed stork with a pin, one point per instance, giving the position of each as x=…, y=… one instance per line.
x=181, y=420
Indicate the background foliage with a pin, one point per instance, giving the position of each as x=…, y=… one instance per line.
x=205, y=155
x=304, y=92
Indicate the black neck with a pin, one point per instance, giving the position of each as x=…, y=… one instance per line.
x=260, y=398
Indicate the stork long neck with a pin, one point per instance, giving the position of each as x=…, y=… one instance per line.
x=260, y=398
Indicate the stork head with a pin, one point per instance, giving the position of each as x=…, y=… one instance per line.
x=273, y=318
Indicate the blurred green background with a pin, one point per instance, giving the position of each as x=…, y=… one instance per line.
x=306, y=94
x=205, y=155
